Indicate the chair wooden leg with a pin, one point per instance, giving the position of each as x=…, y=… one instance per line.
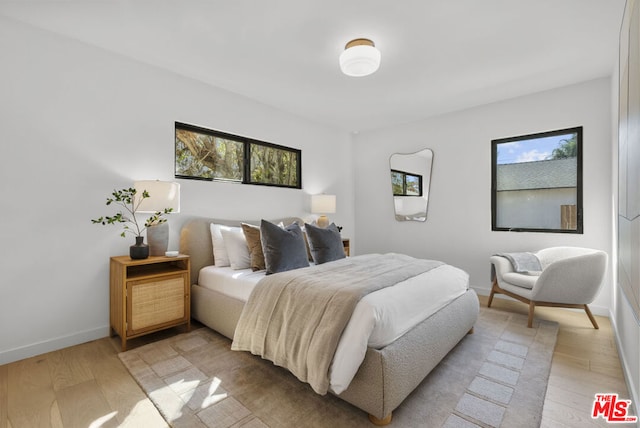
x=493, y=291
x=591, y=318
x=532, y=306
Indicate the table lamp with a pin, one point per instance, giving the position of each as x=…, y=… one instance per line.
x=323, y=204
x=162, y=195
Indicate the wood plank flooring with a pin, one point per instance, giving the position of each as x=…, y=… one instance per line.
x=81, y=386
x=87, y=385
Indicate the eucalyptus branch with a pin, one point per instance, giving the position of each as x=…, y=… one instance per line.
x=127, y=200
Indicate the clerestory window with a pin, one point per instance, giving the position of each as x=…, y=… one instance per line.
x=205, y=154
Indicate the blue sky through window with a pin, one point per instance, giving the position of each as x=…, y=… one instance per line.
x=536, y=149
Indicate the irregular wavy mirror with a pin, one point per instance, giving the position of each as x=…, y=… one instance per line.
x=410, y=180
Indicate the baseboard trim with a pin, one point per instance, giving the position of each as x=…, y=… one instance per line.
x=49, y=345
x=602, y=311
x=632, y=387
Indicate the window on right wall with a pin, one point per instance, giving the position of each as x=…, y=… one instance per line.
x=536, y=182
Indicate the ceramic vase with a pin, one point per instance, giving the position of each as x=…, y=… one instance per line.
x=140, y=250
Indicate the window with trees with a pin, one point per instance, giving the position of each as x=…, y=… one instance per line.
x=206, y=154
x=406, y=183
x=536, y=183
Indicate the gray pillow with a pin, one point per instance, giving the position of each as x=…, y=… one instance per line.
x=325, y=243
x=284, y=249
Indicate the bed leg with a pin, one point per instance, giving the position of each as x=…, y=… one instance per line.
x=470, y=331
x=380, y=422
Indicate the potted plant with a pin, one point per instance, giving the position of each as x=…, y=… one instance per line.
x=127, y=199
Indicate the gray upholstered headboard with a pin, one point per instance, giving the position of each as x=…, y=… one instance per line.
x=195, y=239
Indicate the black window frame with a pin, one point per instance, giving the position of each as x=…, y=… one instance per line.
x=579, y=180
x=246, y=167
x=404, y=182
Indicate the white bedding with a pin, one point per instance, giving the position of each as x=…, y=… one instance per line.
x=378, y=319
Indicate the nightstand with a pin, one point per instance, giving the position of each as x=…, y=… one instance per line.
x=346, y=245
x=148, y=295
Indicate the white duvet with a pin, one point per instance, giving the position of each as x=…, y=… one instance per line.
x=378, y=319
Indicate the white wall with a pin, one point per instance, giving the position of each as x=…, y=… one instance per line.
x=458, y=226
x=78, y=122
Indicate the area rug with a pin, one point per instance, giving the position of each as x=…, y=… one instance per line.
x=495, y=377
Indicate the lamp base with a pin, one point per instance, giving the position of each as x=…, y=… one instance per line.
x=158, y=239
x=322, y=221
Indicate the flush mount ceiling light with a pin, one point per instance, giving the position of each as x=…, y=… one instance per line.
x=360, y=58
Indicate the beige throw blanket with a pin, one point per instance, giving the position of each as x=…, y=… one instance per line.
x=295, y=318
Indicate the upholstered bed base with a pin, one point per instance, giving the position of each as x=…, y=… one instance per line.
x=387, y=376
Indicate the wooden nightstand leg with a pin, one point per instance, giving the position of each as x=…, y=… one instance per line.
x=124, y=344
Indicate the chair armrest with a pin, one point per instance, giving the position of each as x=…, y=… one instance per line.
x=574, y=280
x=501, y=266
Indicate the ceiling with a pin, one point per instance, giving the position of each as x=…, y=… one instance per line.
x=437, y=55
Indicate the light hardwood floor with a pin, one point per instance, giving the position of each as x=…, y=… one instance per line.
x=87, y=386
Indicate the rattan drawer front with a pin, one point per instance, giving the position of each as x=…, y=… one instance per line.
x=157, y=302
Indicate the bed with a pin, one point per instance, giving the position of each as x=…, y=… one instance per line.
x=387, y=374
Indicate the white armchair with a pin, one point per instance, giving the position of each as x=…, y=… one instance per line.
x=571, y=277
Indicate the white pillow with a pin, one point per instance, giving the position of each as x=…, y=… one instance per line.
x=220, y=256
x=237, y=248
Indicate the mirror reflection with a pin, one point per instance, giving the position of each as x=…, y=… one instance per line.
x=410, y=179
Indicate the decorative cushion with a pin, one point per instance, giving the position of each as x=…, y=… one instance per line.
x=325, y=243
x=521, y=279
x=220, y=256
x=237, y=249
x=252, y=235
x=283, y=249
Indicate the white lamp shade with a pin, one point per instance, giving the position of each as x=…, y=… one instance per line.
x=323, y=204
x=360, y=60
x=162, y=194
